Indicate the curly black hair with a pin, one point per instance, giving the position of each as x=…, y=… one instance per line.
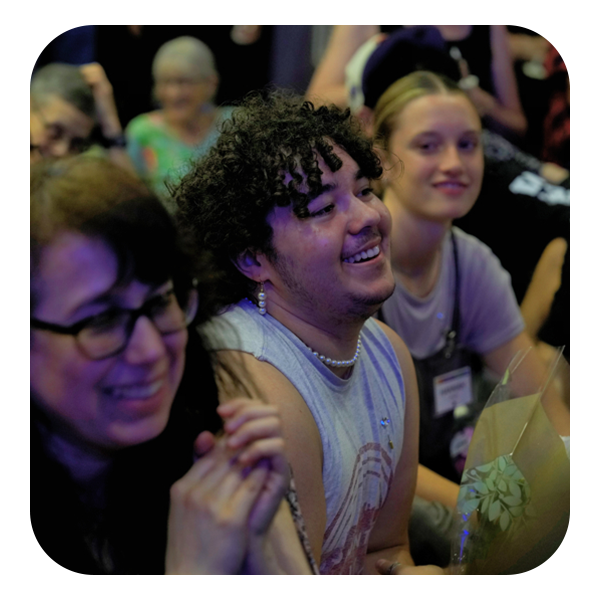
x=225, y=198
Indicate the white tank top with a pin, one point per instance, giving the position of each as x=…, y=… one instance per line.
x=357, y=419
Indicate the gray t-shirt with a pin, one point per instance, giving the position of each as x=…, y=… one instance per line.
x=489, y=313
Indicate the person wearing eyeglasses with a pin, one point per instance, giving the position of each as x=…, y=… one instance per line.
x=72, y=110
x=129, y=474
x=162, y=143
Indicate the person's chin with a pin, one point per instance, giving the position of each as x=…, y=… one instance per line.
x=370, y=303
x=387, y=284
x=136, y=420
x=128, y=434
x=178, y=115
x=380, y=300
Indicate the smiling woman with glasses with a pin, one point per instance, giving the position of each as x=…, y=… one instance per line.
x=127, y=474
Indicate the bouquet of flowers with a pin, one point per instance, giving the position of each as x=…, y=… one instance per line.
x=513, y=503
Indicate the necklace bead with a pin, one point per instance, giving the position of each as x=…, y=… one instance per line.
x=261, y=305
x=330, y=362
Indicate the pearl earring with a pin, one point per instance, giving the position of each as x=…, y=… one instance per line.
x=262, y=300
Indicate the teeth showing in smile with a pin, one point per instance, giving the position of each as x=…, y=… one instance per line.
x=135, y=391
x=451, y=184
x=362, y=256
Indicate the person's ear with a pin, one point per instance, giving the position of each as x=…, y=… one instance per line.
x=367, y=118
x=392, y=166
x=252, y=264
x=212, y=83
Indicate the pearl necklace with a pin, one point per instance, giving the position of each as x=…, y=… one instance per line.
x=338, y=363
x=330, y=362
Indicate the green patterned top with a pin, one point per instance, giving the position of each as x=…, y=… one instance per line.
x=158, y=155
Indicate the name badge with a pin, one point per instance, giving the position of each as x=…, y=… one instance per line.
x=452, y=389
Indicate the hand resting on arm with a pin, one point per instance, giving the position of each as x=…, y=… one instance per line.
x=223, y=510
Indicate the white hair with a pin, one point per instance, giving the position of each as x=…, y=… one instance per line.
x=188, y=53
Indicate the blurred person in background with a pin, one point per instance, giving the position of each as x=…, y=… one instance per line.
x=72, y=110
x=484, y=55
x=162, y=143
x=481, y=51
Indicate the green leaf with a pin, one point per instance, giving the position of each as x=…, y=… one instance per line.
x=504, y=521
x=470, y=505
x=511, y=469
x=515, y=489
x=502, y=485
x=512, y=501
x=516, y=511
x=484, y=468
x=494, y=511
x=481, y=487
x=490, y=484
x=485, y=504
x=466, y=477
x=501, y=463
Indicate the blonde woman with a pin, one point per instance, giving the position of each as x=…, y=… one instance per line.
x=453, y=303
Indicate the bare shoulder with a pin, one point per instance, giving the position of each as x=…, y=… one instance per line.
x=262, y=380
x=259, y=378
x=301, y=434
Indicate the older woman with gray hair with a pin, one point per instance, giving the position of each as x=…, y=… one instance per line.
x=162, y=143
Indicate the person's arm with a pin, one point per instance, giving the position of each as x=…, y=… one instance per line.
x=300, y=433
x=226, y=514
x=389, y=537
x=273, y=544
x=504, y=107
x=279, y=551
x=529, y=378
x=545, y=282
x=328, y=81
x=435, y=488
x=528, y=47
x=106, y=113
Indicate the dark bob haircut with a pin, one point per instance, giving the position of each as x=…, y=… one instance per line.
x=92, y=196
x=225, y=199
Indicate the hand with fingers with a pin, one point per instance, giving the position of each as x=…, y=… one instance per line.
x=225, y=503
x=387, y=567
x=254, y=430
x=106, y=109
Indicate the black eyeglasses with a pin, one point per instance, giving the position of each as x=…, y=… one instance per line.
x=56, y=133
x=108, y=333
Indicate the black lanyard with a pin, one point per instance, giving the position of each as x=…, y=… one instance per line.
x=452, y=335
